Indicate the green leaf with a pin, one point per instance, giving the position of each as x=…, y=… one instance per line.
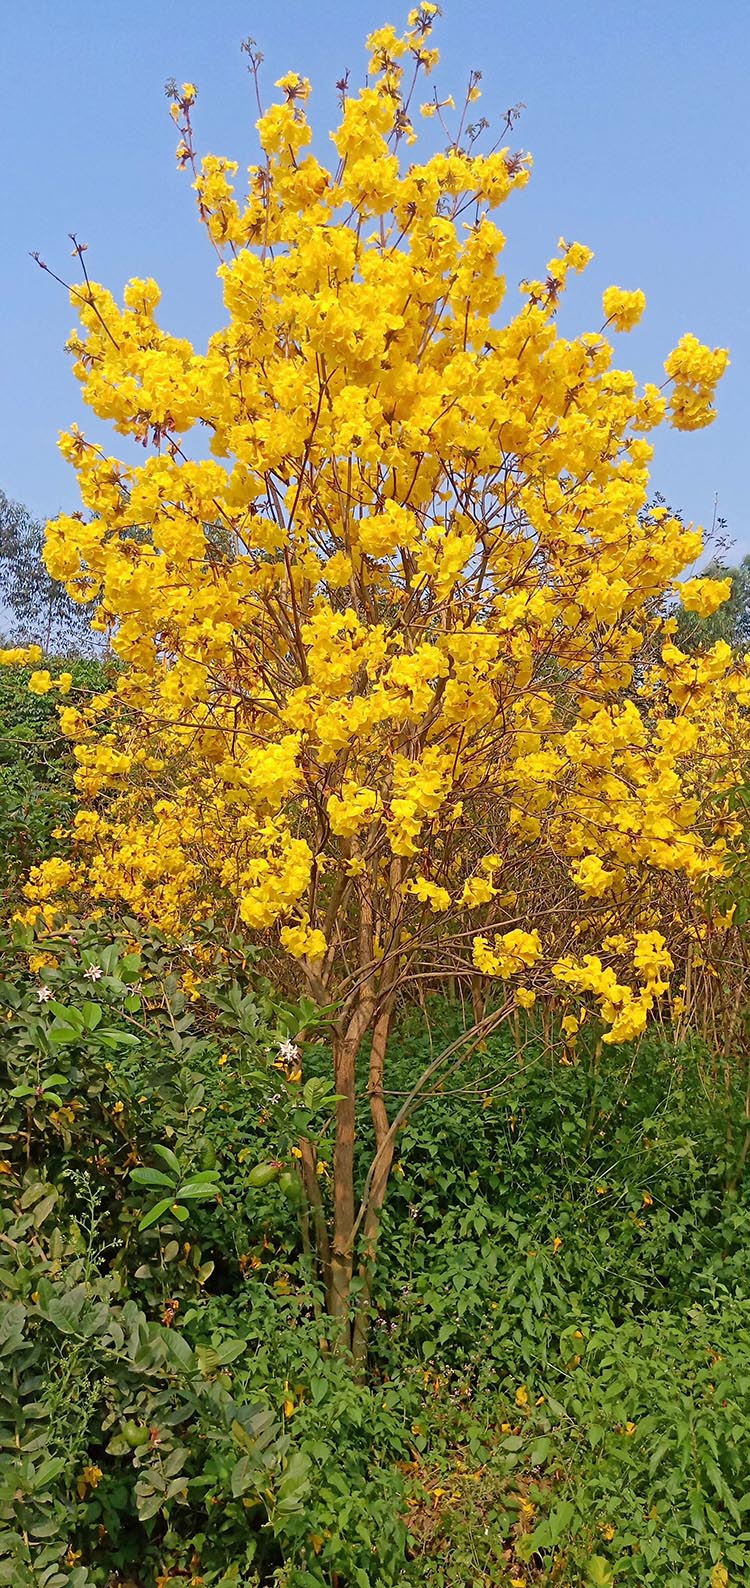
x=150, y=1177
x=294, y=1485
x=168, y=1157
x=599, y=1573
x=70, y=1016
x=60, y=1032
x=155, y=1213
x=43, y=1208
x=208, y=1358
x=49, y=1469
x=179, y=1350
x=229, y=1350
x=189, y=1192
x=92, y=1014
x=117, y=1039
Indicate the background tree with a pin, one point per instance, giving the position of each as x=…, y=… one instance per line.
x=33, y=605
x=387, y=728
x=37, y=794
x=731, y=621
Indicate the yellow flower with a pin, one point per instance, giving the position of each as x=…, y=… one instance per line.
x=695, y=371
x=624, y=309
x=40, y=683
x=704, y=596
x=20, y=656
x=303, y=941
x=90, y=1479
x=592, y=877
x=429, y=893
x=511, y=952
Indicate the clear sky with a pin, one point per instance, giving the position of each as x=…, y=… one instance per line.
x=636, y=115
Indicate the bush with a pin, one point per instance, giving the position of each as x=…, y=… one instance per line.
x=36, y=768
x=168, y=1396
x=559, y=1390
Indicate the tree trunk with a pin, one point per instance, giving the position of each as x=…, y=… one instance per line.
x=478, y=998
x=344, y=1061
x=376, y=1197
x=345, y=1050
x=314, y=1199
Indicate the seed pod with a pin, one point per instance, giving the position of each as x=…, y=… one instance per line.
x=136, y=1435
x=290, y=1186
x=263, y=1174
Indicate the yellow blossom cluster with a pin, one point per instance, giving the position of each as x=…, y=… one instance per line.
x=398, y=684
x=21, y=656
x=623, y=309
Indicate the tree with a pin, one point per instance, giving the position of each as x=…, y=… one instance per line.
x=730, y=622
x=386, y=726
x=36, y=605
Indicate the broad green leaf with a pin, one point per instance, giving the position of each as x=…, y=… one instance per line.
x=168, y=1157
x=150, y=1177
x=155, y=1213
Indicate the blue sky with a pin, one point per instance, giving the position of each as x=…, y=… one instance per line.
x=636, y=115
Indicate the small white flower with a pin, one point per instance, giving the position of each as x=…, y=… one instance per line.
x=289, y=1052
x=43, y=994
x=93, y=973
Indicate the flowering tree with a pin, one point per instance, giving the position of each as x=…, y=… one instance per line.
x=399, y=691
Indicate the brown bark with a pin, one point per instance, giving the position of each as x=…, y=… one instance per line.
x=478, y=998
x=345, y=1050
x=384, y=1148
x=314, y=1198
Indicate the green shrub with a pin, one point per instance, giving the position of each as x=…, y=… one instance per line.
x=169, y=1402
x=559, y=1390
x=36, y=767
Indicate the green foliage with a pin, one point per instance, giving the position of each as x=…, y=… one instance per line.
x=36, y=768
x=167, y=1396
x=574, y=1276
x=732, y=620
x=559, y=1390
x=36, y=608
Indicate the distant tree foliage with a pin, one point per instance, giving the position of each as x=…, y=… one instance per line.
x=732, y=620
x=34, y=607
